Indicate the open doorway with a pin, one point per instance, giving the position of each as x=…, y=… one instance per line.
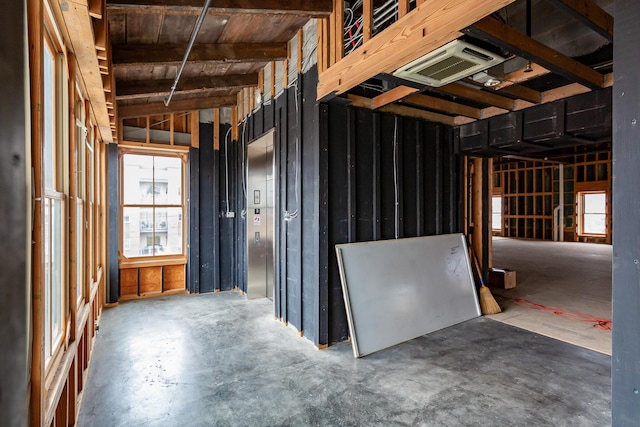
x=563, y=287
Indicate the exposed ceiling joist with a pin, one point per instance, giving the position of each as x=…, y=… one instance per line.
x=149, y=88
x=529, y=72
x=495, y=32
x=590, y=14
x=393, y=95
x=362, y=102
x=310, y=8
x=176, y=106
x=443, y=105
x=477, y=95
x=429, y=26
x=522, y=92
x=139, y=55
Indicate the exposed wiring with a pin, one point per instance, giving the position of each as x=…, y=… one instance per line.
x=377, y=88
x=243, y=213
x=395, y=178
x=226, y=170
x=289, y=215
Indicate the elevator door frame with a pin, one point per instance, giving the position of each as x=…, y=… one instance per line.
x=261, y=285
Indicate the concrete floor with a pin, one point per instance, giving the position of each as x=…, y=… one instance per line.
x=219, y=359
x=563, y=290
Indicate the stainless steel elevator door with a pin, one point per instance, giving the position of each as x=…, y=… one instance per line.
x=260, y=217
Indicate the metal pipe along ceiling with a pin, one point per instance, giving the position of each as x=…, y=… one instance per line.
x=192, y=40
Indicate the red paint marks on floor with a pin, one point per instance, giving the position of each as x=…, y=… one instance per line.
x=598, y=323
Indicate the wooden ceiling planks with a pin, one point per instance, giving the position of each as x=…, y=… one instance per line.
x=212, y=28
x=177, y=29
x=236, y=37
x=154, y=108
x=307, y=8
x=270, y=28
x=142, y=29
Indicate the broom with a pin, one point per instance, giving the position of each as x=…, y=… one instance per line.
x=488, y=304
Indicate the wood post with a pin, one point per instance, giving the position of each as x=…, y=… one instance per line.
x=216, y=126
x=35, y=29
x=367, y=19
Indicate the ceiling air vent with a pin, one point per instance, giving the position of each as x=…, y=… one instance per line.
x=448, y=63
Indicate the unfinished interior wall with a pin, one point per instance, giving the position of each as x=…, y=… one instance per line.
x=388, y=177
x=530, y=192
x=343, y=174
x=297, y=225
x=214, y=213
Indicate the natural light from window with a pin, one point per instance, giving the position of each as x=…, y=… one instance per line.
x=594, y=213
x=496, y=213
x=152, y=206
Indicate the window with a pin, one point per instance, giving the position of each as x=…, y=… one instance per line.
x=496, y=213
x=81, y=135
x=54, y=205
x=152, y=205
x=593, y=212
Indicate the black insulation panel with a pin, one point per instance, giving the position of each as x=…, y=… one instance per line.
x=388, y=175
x=209, y=211
x=579, y=120
x=193, y=263
x=351, y=174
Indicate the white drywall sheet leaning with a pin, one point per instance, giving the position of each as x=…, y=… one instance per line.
x=397, y=290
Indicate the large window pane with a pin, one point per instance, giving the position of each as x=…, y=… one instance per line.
x=79, y=251
x=56, y=270
x=153, y=205
x=168, y=180
x=49, y=123
x=173, y=231
x=594, y=213
x=138, y=180
x=496, y=213
x=47, y=277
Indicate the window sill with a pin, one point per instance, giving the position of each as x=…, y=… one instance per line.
x=152, y=262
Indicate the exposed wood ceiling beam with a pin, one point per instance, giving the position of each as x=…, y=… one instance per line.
x=443, y=105
x=522, y=92
x=493, y=31
x=522, y=75
x=149, y=88
x=550, y=95
x=392, y=95
x=141, y=54
x=80, y=29
x=310, y=8
x=362, y=102
x=151, y=109
x=427, y=27
x=590, y=14
x=477, y=95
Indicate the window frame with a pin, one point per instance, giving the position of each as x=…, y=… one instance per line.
x=149, y=260
x=581, y=213
x=55, y=192
x=497, y=227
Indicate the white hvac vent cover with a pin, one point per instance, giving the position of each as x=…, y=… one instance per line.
x=451, y=62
